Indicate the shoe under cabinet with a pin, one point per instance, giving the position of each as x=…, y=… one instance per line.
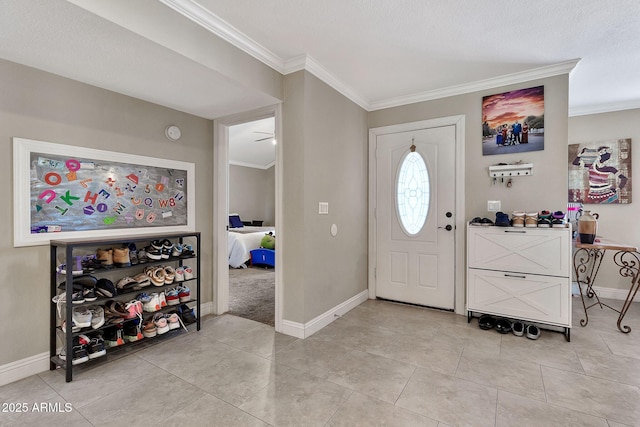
x=125, y=294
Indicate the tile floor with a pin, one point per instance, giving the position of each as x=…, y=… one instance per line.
x=381, y=364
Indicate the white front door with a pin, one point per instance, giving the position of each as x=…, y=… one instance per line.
x=415, y=217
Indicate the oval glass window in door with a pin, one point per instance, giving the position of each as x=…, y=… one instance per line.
x=412, y=193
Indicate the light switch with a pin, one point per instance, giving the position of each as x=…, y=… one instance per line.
x=323, y=208
x=494, y=205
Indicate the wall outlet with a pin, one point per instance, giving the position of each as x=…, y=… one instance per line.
x=494, y=205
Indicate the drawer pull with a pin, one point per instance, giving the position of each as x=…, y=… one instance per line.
x=516, y=276
x=515, y=231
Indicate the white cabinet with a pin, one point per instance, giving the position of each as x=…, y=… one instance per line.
x=520, y=273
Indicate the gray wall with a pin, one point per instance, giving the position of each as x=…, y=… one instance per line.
x=41, y=106
x=325, y=160
x=252, y=193
x=546, y=189
x=617, y=223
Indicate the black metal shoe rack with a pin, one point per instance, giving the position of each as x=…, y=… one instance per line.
x=72, y=247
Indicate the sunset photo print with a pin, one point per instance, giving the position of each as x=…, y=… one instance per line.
x=513, y=122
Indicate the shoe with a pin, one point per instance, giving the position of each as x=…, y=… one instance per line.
x=89, y=295
x=82, y=317
x=179, y=275
x=105, y=288
x=143, y=281
x=74, y=327
x=531, y=220
x=142, y=256
x=149, y=329
x=169, y=275
x=115, y=308
x=187, y=315
x=121, y=257
x=188, y=273
x=126, y=283
x=517, y=219
x=187, y=252
x=105, y=257
x=77, y=269
x=476, y=221
x=157, y=244
x=502, y=219
x=96, y=347
x=533, y=332
x=135, y=309
x=485, y=322
x=544, y=219
x=172, y=296
x=485, y=222
x=157, y=276
x=161, y=323
x=80, y=282
x=153, y=253
x=174, y=320
x=184, y=293
x=167, y=247
x=113, y=337
x=162, y=299
x=503, y=326
x=558, y=220
x=518, y=329
x=133, y=253
x=79, y=351
x=90, y=263
x=97, y=316
x=153, y=304
x=133, y=332
x=176, y=251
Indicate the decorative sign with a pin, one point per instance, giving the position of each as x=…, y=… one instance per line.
x=600, y=172
x=80, y=192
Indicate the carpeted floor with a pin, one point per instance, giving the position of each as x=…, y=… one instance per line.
x=252, y=294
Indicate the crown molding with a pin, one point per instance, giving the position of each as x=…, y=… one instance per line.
x=221, y=28
x=252, y=165
x=508, y=79
x=603, y=108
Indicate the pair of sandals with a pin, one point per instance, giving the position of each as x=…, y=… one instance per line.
x=504, y=326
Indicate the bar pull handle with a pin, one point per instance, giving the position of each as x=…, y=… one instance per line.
x=517, y=276
x=515, y=231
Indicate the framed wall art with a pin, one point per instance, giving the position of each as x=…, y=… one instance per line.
x=513, y=122
x=600, y=172
x=63, y=191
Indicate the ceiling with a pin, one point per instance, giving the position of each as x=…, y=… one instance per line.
x=379, y=53
x=252, y=144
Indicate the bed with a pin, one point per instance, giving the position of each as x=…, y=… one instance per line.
x=242, y=240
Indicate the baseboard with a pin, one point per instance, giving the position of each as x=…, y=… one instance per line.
x=611, y=293
x=305, y=330
x=24, y=368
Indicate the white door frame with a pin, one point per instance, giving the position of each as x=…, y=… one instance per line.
x=220, y=258
x=459, y=123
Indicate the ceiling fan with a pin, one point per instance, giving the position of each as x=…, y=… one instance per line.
x=271, y=136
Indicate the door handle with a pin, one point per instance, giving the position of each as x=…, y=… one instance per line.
x=448, y=227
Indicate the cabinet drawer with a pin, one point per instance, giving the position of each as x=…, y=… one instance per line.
x=526, y=250
x=531, y=297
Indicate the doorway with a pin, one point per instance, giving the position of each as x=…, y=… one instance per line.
x=417, y=213
x=223, y=128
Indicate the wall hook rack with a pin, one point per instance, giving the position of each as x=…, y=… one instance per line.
x=522, y=169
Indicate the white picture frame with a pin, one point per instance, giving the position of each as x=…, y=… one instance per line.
x=23, y=203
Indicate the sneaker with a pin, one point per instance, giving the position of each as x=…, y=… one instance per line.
x=184, y=293
x=126, y=283
x=113, y=337
x=74, y=327
x=105, y=288
x=179, y=275
x=115, y=309
x=143, y=281
x=518, y=329
x=162, y=299
x=153, y=253
x=165, y=253
x=531, y=220
x=133, y=255
x=121, y=257
x=161, y=323
x=558, y=220
x=188, y=273
x=157, y=244
x=133, y=332
x=157, y=275
x=105, y=257
x=76, y=270
x=79, y=351
x=517, y=219
x=169, y=275
x=502, y=219
x=82, y=317
x=153, y=303
x=174, y=320
x=96, y=347
x=97, y=316
x=143, y=258
x=172, y=296
x=544, y=219
x=188, y=317
x=149, y=329
x=89, y=294
x=135, y=309
x=187, y=252
x=533, y=332
x=176, y=251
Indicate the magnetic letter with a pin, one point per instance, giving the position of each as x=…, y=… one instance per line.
x=49, y=194
x=52, y=178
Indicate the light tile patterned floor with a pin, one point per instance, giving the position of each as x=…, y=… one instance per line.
x=380, y=364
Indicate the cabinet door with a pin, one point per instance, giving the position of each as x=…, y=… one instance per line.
x=535, y=251
x=520, y=296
